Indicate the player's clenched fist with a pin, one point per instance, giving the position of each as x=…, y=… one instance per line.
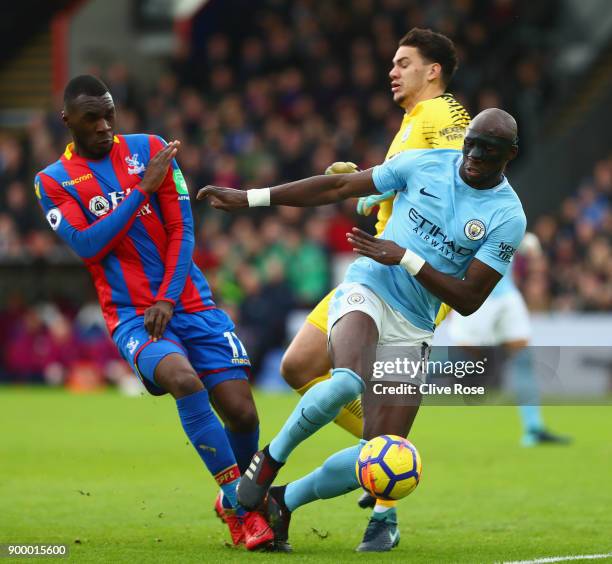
x=158, y=167
x=157, y=317
x=226, y=199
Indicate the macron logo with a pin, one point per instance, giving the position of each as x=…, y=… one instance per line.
x=82, y=178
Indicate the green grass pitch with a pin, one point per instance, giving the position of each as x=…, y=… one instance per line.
x=114, y=478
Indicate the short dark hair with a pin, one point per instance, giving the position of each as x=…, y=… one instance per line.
x=84, y=84
x=434, y=47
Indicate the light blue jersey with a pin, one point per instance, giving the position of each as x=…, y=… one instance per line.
x=445, y=221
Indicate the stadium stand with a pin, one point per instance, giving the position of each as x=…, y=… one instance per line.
x=258, y=108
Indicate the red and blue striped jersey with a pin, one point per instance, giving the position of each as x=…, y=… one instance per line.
x=138, y=248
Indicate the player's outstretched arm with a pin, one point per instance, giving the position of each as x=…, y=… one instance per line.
x=309, y=192
x=366, y=204
x=464, y=296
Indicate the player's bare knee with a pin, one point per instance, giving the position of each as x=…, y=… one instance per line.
x=183, y=382
x=243, y=420
x=306, y=358
x=292, y=368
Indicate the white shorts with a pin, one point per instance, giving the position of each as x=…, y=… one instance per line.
x=397, y=337
x=393, y=327
x=499, y=320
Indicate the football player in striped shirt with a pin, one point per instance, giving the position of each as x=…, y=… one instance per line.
x=122, y=205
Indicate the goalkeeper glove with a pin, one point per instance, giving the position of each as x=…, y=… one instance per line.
x=366, y=204
x=342, y=168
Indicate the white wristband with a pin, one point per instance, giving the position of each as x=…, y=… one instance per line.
x=412, y=262
x=258, y=197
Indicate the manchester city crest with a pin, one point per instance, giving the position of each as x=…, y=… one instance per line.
x=474, y=230
x=355, y=299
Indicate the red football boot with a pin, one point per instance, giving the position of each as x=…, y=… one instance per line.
x=233, y=522
x=257, y=532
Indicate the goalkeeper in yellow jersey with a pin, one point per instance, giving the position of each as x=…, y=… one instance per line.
x=422, y=68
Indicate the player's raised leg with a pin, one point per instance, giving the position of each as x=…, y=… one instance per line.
x=360, y=311
x=353, y=347
x=336, y=476
x=306, y=363
x=353, y=341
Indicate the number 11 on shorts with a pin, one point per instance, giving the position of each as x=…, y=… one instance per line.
x=232, y=339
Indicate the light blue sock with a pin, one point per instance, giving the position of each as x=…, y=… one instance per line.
x=336, y=477
x=317, y=407
x=525, y=386
x=531, y=417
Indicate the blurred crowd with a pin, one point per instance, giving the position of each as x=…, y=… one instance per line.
x=575, y=271
x=59, y=345
x=306, y=86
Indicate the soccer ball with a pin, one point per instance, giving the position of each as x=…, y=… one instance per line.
x=389, y=467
